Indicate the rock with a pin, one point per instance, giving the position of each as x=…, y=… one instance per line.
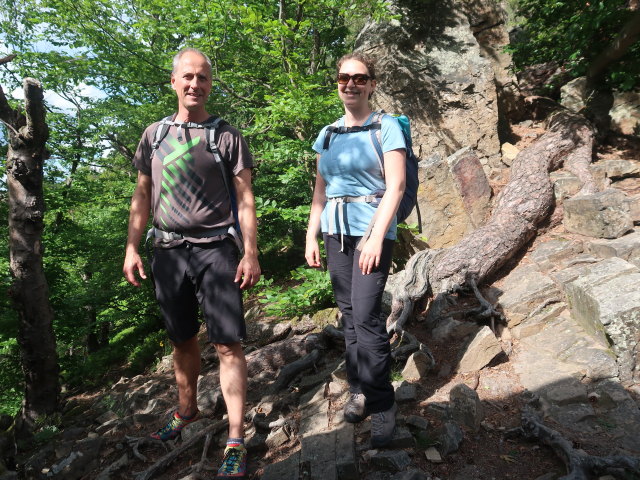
x=625, y=113
x=574, y=93
x=480, y=351
x=346, y=460
x=450, y=437
x=402, y=438
x=453, y=197
x=601, y=215
x=618, y=168
x=509, y=153
x=525, y=288
x=419, y=77
x=390, y=460
x=532, y=325
x=417, y=422
x=566, y=392
x=466, y=407
x=417, y=366
x=626, y=247
x=433, y=455
x=606, y=301
x=108, y=416
x=449, y=328
x=276, y=438
x=328, y=316
x=287, y=469
x=565, y=185
x=405, y=392
x=410, y=474
x=549, y=255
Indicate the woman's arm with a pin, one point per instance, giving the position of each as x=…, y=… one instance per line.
x=312, y=249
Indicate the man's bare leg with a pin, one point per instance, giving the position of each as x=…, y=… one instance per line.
x=186, y=363
x=233, y=382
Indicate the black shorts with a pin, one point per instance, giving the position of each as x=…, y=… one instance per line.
x=202, y=275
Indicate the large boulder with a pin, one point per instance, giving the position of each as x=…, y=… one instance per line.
x=453, y=197
x=432, y=68
x=601, y=215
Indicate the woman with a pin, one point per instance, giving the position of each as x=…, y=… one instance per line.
x=347, y=194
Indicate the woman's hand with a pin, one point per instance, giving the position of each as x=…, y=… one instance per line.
x=370, y=256
x=312, y=252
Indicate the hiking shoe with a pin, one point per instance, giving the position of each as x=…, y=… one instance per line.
x=354, y=411
x=172, y=429
x=234, y=463
x=383, y=425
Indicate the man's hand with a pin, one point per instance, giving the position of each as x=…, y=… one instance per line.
x=248, y=271
x=132, y=264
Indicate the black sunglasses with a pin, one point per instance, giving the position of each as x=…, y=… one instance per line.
x=358, y=78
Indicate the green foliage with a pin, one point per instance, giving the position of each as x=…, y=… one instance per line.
x=573, y=33
x=111, y=61
x=310, y=291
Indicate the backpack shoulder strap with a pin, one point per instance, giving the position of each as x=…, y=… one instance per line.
x=161, y=131
x=327, y=134
x=210, y=128
x=375, y=136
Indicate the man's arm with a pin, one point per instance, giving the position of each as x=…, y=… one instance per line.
x=249, y=268
x=138, y=218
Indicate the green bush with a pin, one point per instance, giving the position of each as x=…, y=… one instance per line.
x=311, y=292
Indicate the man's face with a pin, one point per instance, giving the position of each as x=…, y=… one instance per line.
x=192, y=81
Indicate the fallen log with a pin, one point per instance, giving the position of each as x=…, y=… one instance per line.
x=525, y=202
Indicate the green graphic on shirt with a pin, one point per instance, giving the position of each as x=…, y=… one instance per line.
x=181, y=184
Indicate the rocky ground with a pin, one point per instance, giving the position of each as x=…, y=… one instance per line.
x=461, y=395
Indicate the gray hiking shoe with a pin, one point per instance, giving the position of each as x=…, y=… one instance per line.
x=354, y=411
x=383, y=424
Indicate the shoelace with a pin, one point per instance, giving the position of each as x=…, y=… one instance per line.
x=232, y=459
x=174, y=424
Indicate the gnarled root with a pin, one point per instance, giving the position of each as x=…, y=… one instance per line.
x=580, y=465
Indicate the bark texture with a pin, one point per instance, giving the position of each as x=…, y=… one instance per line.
x=28, y=133
x=526, y=201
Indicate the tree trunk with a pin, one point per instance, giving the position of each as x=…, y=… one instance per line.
x=28, y=134
x=525, y=202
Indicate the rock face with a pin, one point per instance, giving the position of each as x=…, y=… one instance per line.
x=453, y=197
x=602, y=215
x=435, y=72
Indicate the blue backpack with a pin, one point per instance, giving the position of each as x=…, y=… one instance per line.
x=410, y=197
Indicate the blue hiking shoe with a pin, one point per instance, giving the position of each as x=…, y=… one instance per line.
x=172, y=429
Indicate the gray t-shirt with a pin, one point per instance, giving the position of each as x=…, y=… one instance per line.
x=188, y=191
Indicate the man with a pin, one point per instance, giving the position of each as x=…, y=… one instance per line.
x=195, y=260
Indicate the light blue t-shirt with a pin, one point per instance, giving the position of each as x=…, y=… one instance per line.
x=350, y=167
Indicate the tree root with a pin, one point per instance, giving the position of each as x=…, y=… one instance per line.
x=524, y=203
x=580, y=465
x=288, y=372
x=165, y=461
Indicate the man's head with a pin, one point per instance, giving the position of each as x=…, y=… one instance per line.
x=191, y=79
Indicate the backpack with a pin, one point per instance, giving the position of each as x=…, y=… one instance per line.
x=410, y=197
x=210, y=132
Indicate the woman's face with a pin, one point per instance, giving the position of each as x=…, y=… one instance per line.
x=350, y=93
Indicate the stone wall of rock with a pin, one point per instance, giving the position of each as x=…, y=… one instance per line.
x=433, y=68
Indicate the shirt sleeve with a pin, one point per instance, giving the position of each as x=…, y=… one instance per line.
x=234, y=149
x=142, y=157
x=392, y=136
x=319, y=143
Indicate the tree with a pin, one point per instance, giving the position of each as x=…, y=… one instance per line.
x=28, y=133
x=598, y=38
x=273, y=67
